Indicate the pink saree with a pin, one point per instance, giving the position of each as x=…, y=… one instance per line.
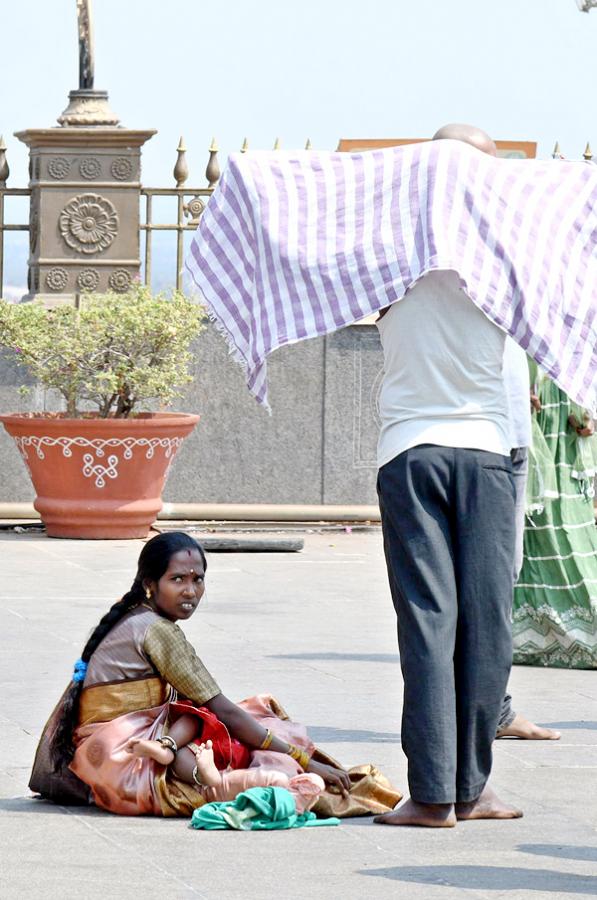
x=127, y=785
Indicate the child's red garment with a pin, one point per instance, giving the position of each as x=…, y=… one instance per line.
x=228, y=752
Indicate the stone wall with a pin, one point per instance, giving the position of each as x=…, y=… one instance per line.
x=318, y=446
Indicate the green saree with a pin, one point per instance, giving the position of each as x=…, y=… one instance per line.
x=555, y=599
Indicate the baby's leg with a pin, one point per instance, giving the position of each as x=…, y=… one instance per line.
x=183, y=730
x=200, y=757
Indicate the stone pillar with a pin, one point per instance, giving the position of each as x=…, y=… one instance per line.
x=85, y=182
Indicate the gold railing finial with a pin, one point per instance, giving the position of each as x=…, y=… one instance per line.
x=245, y=146
x=557, y=153
x=308, y=144
x=4, y=170
x=181, y=169
x=588, y=154
x=212, y=172
x=277, y=144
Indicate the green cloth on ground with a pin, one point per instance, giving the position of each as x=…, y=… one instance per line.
x=257, y=809
x=555, y=598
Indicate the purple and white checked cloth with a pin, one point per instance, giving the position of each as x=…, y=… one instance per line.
x=294, y=245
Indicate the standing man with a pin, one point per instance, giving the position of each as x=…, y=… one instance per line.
x=447, y=501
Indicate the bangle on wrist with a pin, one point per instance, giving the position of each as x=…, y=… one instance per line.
x=166, y=741
x=301, y=756
x=267, y=740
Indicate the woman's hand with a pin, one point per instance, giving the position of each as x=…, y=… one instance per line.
x=586, y=428
x=337, y=777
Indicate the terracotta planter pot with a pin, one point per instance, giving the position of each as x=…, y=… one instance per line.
x=99, y=478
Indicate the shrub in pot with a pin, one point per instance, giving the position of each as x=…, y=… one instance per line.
x=99, y=467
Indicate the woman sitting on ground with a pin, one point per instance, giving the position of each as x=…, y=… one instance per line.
x=121, y=729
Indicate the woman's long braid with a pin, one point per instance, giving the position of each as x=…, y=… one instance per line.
x=62, y=748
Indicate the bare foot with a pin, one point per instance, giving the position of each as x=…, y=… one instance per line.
x=487, y=806
x=206, y=767
x=528, y=731
x=427, y=815
x=150, y=750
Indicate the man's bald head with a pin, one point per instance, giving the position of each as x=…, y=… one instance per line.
x=469, y=134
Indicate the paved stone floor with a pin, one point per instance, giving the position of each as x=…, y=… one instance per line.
x=315, y=628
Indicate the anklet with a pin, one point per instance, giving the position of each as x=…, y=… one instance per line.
x=267, y=740
x=196, y=778
x=168, y=742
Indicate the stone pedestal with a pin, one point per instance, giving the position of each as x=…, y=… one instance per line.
x=84, y=220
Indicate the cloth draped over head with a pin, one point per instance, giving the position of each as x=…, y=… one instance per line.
x=295, y=245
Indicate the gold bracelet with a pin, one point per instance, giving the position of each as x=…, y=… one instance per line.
x=267, y=740
x=304, y=760
x=301, y=756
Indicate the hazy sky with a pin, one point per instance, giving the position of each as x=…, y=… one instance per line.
x=318, y=69
x=324, y=69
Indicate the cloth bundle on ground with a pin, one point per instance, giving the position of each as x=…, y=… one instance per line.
x=292, y=246
x=258, y=809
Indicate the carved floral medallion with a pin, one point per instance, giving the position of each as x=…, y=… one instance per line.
x=90, y=168
x=59, y=167
x=120, y=281
x=122, y=168
x=57, y=278
x=193, y=209
x=88, y=279
x=89, y=223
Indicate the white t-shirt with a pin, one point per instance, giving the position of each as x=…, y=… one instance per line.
x=443, y=372
x=517, y=384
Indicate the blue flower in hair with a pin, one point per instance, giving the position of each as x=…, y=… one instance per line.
x=80, y=670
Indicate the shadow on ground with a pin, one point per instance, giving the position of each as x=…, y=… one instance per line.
x=348, y=657
x=46, y=807
x=565, y=851
x=581, y=724
x=321, y=734
x=491, y=878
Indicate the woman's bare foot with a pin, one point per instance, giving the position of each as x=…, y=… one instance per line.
x=487, y=806
x=206, y=767
x=427, y=815
x=528, y=731
x=150, y=750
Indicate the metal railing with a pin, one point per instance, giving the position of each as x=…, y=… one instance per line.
x=7, y=192
x=190, y=205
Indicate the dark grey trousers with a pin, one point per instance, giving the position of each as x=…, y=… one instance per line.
x=448, y=526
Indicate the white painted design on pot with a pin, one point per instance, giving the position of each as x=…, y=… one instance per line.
x=91, y=467
x=92, y=463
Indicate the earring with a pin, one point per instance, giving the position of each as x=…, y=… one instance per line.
x=148, y=593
